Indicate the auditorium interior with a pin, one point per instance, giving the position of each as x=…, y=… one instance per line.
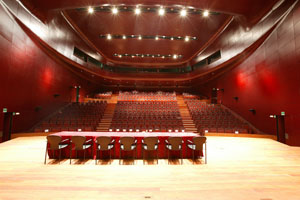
x=150, y=99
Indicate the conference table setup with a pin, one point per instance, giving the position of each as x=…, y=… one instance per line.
x=91, y=140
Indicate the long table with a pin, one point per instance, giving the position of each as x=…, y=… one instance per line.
x=162, y=136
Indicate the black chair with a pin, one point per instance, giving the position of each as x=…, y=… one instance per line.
x=80, y=144
x=104, y=143
x=56, y=143
x=127, y=144
x=174, y=144
x=197, y=145
x=150, y=144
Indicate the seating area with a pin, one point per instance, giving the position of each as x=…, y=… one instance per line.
x=74, y=117
x=148, y=116
x=147, y=96
x=121, y=145
x=213, y=118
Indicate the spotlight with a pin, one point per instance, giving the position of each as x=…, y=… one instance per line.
x=120, y=56
x=172, y=38
x=115, y=10
x=205, y=13
x=183, y=13
x=175, y=56
x=140, y=37
x=91, y=10
x=124, y=37
x=186, y=39
x=137, y=11
x=109, y=37
x=156, y=38
x=161, y=11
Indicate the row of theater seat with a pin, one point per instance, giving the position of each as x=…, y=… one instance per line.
x=75, y=117
x=214, y=118
x=147, y=116
x=147, y=96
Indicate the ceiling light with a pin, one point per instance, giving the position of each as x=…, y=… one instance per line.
x=161, y=11
x=163, y=56
x=186, y=39
x=115, y=10
x=156, y=38
x=109, y=37
x=205, y=13
x=175, y=56
x=124, y=37
x=91, y=10
x=142, y=55
x=183, y=13
x=120, y=56
x=140, y=37
x=137, y=11
x=172, y=38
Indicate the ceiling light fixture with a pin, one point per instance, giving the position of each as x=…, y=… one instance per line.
x=161, y=11
x=175, y=56
x=172, y=38
x=109, y=37
x=124, y=37
x=140, y=37
x=186, y=39
x=91, y=10
x=205, y=13
x=183, y=13
x=115, y=10
x=156, y=38
x=137, y=11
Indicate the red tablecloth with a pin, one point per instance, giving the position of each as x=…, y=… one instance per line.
x=162, y=136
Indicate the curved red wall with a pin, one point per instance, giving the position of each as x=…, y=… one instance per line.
x=29, y=78
x=269, y=81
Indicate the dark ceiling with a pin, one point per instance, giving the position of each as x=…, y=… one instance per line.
x=151, y=24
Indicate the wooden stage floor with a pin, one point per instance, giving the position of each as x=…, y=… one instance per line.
x=237, y=169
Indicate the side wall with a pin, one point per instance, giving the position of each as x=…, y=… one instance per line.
x=29, y=79
x=269, y=81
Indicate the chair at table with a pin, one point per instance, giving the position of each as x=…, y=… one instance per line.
x=150, y=144
x=197, y=145
x=80, y=144
x=104, y=143
x=56, y=143
x=127, y=144
x=174, y=144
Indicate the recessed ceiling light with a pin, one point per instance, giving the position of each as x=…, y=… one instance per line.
x=163, y=56
x=156, y=38
x=109, y=37
x=124, y=37
x=175, y=56
x=91, y=10
x=140, y=37
x=161, y=11
x=115, y=10
x=120, y=56
x=153, y=56
x=186, y=39
x=183, y=13
x=142, y=55
x=137, y=11
x=205, y=13
x=172, y=38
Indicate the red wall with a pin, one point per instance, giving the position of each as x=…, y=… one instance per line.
x=269, y=81
x=29, y=78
